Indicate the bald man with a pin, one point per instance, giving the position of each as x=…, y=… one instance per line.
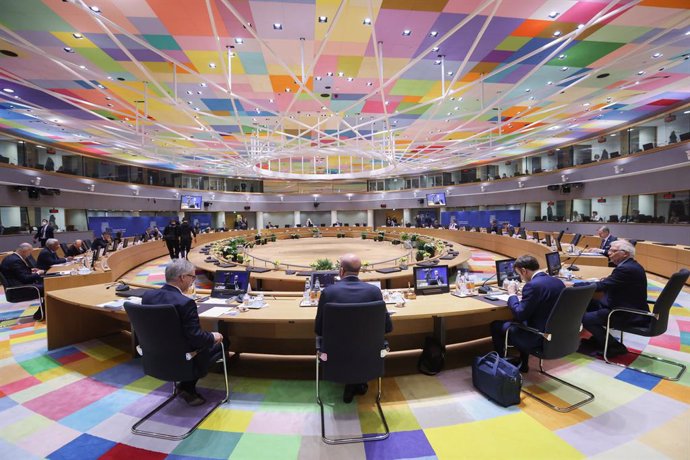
x=76, y=249
x=349, y=290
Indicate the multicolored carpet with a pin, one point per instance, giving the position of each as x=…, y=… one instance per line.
x=80, y=401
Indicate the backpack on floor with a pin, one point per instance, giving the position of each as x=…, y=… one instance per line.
x=433, y=357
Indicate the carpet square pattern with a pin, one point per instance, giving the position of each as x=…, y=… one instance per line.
x=79, y=402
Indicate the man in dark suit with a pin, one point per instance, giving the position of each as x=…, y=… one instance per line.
x=539, y=295
x=102, y=241
x=187, y=232
x=625, y=287
x=18, y=271
x=48, y=255
x=606, y=239
x=45, y=232
x=349, y=290
x=171, y=235
x=76, y=249
x=179, y=277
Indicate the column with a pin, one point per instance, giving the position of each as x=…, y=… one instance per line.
x=406, y=217
x=646, y=205
x=180, y=216
x=296, y=219
x=334, y=216
x=219, y=219
x=259, y=221
x=370, y=217
x=11, y=216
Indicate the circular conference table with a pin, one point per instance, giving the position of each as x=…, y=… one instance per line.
x=283, y=327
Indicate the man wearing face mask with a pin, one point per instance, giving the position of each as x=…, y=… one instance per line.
x=171, y=235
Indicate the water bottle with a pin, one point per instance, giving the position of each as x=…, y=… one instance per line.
x=461, y=286
x=317, y=285
x=307, y=288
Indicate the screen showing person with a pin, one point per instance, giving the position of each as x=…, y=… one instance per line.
x=553, y=263
x=431, y=279
x=436, y=199
x=325, y=279
x=505, y=270
x=190, y=202
x=576, y=239
x=234, y=280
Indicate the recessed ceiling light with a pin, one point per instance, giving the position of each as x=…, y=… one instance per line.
x=686, y=112
x=580, y=26
x=202, y=84
x=450, y=72
x=641, y=72
x=386, y=102
x=100, y=86
x=528, y=90
x=435, y=48
x=108, y=98
x=370, y=83
x=287, y=90
x=341, y=74
x=456, y=108
x=557, y=33
x=406, y=32
x=586, y=104
x=329, y=74
x=189, y=102
x=8, y=90
x=350, y=78
x=277, y=26
x=367, y=21
x=323, y=19
x=553, y=14
x=323, y=107
x=270, y=101
x=687, y=33
x=212, y=65
x=198, y=92
x=437, y=62
x=83, y=67
x=189, y=92
x=613, y=135
x=317, y=78
x=77, y=35
x=549, y=83
x=110, y=105
x=433, y=33
x=68, y=49
x=562, y=56
x=239, y=40
x=656, y=55
x=564, y=68
x=95, y=9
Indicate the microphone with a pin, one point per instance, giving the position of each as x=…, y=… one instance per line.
x=573, y=267
x=484, y=289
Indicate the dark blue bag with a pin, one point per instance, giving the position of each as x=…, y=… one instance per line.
x=497, y=379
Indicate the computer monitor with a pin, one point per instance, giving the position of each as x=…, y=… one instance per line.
x=648, y=146
x=547, y=239
x=559, y=248
x=374, y=283
x=576, y=239
x=325, y=278
x=560, y=235
x=228, y=283
x=511, y=231
x=435, y=199
x=505, y=269
x=523, y=233
x=615, y=154
x=553, y=263
x=684, y=136
x=535, y=235
x=188, y=202
x=125, y=243
x=431, y=280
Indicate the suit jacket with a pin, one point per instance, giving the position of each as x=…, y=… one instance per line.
x=625, y=287
x=606, y=244
x=17, y=271
x=48, y=258
x=348, y=290
x=538, y=299
x=187, y=232
x=171, y=233
x=73, y=251
x=99, y=243
x=41, y=235
x=197, y=338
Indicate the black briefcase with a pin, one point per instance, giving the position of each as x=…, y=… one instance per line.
x=497, y=379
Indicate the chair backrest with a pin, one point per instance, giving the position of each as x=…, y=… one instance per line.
x=64, y=248
x=353, y=337
x=159, y=332
x=565, y=321
x=3, y=281
x=663, y=304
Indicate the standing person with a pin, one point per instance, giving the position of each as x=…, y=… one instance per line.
x=171, y=235
x=539, y=295
x=349, y=290
x=549, y=213
x=187, y=232
x=179, y=276
x=44, y=233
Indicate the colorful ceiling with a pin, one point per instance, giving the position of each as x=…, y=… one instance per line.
x=325, y=88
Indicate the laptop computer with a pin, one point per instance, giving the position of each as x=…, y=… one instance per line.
x=230, y=283
x=547, y=239
x=553, y=263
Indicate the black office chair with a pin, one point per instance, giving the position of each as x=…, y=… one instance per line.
x=87, y=243
x=658, y=323
x=561, y=337
x=23, y=293
x=64, y=248
x=166, y=356
x=352, y=349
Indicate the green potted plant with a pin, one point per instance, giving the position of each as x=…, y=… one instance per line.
x=364, y=235
x=276, y=264
x=322, y=264
x=403, y=263
x=239, y=258
x=273, y=237
x=381, y=236
x=419, y=255
x=405, y=236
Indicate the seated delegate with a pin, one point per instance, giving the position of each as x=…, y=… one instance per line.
x=76, y=249
x=19, y=271
x=539, y=295
x=349, y=290
x=606, y=240
x=625, y=287
x=179, y=277
x=48, y=255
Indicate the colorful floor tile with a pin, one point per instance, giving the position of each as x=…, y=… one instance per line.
x=79, y=402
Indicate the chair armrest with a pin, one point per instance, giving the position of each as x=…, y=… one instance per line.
x=632, y=310
x=319, y=343
x=25, y=286
x=532, y=330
